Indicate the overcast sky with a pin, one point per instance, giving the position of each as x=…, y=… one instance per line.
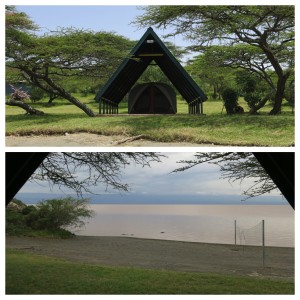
x=157, y=182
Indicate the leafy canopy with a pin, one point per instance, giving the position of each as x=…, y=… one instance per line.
x=266, y=34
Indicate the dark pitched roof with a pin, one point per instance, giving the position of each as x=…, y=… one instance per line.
x=149, y=48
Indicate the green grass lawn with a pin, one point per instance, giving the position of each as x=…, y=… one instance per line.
x=214, y=127
x=34, y=274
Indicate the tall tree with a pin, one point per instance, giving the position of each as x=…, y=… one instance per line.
x=47, y=61
x=270, y=29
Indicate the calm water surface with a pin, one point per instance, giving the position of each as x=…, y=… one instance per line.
x=195, y=223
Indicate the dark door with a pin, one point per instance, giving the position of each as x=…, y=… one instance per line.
x=152, y=101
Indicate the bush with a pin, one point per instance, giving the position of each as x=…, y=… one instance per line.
x=252, y=100
x=14, y=218
x=36, y=94
x=28, y=210
x=55, y=214
x=230, y=99
x=47, y=219
x=15, y=223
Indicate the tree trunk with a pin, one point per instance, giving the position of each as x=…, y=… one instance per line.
x=51, y=98
x=282, y=78
x=52, y=87
x=29, y=110
x=61, y=92
x=215, y=95
x=261, y=104
x=80, y=105
x=279, y=95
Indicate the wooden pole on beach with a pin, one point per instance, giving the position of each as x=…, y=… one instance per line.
x=235, y=232
x=263, y=242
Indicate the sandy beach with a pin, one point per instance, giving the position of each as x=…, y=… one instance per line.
x=89, y=140
x=164, y=254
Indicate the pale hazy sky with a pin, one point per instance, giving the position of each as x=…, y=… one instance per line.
x=158, y=182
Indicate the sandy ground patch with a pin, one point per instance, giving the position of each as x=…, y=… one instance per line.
x=88, y=140
x=164, y=254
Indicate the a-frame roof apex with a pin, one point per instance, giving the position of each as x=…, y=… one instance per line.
x=130, y=70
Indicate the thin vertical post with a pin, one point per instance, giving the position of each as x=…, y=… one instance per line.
x=198, y=108
x=263, y=242
x=235, y=232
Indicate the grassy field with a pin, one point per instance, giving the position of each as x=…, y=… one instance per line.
x=215, y=127
x=35, y=274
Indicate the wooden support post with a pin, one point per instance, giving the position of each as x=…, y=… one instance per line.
x=263, y=242
x=197, y=108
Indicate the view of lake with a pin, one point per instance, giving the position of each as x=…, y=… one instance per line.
x=194, y=223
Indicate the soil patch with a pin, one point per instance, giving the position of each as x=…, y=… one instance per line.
x=164, y=254
x=90, y=140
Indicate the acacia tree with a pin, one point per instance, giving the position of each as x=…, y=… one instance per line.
x=210, y=72
x=61, y=169
x=267, y=29
x=47, y=61
x=236, y=166
x=252, y=61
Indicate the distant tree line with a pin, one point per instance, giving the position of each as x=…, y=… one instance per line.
x=246, y=48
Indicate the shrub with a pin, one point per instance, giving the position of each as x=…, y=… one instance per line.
x=58, y=213
x=252, y=100
x=230, y=99
x=18, y=94
x=36, y=94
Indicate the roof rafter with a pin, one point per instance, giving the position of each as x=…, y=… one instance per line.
x=148, y=49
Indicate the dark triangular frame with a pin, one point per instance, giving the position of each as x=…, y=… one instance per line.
x=133, y=67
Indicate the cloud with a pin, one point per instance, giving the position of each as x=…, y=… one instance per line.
x=158, y=179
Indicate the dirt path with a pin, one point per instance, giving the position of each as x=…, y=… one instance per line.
x=163, y=254
x=89, y=140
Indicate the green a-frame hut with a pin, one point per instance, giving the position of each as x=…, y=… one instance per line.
x=149, y=48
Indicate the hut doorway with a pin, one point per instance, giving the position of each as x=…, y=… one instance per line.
x=152, y=98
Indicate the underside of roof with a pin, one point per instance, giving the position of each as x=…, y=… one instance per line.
x=150, y=49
